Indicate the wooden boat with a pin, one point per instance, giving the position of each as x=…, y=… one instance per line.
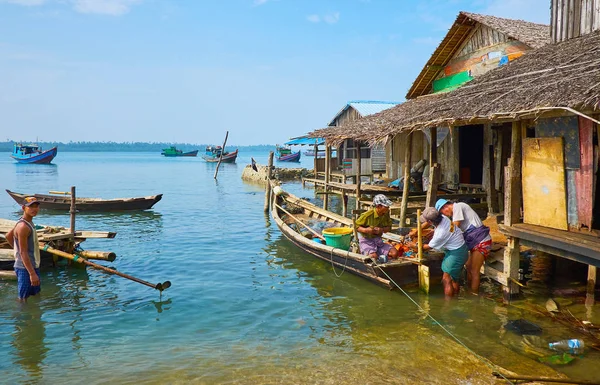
x=62, y=202
x=285, y=154
x=402, y=271
x=213, y=153
x=32, y=153
x=173, y=151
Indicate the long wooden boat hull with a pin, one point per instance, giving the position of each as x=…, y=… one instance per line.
x=171, y=155
x=229, y=158
x=293, y=157
x=63, y=203
x=401, y=271
x=41, y=158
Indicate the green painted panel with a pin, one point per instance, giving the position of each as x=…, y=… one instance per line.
x=452, y=81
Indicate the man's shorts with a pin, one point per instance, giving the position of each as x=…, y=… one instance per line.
x=484, y=248
x=376, y=245
x=24, y=286
x=454, y=260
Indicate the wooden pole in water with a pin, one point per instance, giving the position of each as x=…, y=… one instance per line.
x=77, y=258
x=221, y=156
x=72, y=210
x=268, y=189
x=407, y=160
x=327, y=175
x=358, y=172
x=423, y=269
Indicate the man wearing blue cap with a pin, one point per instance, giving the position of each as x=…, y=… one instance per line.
x=371, y=225
x=23, y=239
x=477, y=236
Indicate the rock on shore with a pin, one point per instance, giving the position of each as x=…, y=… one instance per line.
x=281, y=174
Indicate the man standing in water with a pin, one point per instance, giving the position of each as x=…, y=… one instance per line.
x=23, y=239
x=477, y=236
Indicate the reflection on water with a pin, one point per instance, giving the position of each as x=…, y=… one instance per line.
x=28, y=338
x=36, y=170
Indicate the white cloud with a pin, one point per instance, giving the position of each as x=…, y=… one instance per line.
x=331, y=18
x=260, y=2
x=313, y=18
x=27, y=3
x=105, y=7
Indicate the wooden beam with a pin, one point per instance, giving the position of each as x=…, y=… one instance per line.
x=358, y=172
x=327, y=175
x=511, y=268
x=492, y=194
x=407, y=160
x=434, y=170
x=513, y=183
x=591, y=285
x=268, y=188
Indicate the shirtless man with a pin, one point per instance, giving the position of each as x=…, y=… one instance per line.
x=23, y=239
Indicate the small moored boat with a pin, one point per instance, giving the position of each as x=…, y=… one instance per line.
x=32, y=153
x=213, y=153
x=173, y=151
x=402, y=271
x=285, y=154
x=62, y=202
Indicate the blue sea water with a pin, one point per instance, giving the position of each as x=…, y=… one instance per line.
x=246, y=306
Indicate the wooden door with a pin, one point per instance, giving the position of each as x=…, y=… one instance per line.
x=544, y=190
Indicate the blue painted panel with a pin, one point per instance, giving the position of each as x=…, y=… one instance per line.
x=567, y=128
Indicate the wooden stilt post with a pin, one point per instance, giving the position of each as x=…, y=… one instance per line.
x=268, y=189
x=72, y=210
x=492, y=195
x=358, y=172
x=434, y=170
x=344, y=204
x=315, y=160
x=591, y=286
x=423, y=269
x=407, y=160
x=327, y=175
x=512, y=210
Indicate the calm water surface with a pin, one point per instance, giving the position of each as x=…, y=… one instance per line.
x=246, y=306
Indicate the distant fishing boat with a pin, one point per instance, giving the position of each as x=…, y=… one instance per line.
x=173, y=151
x=213, y=153
x=32, y=153
x=285, y=154
x=62, y=202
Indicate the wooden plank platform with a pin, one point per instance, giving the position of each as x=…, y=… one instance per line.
x=576, y=246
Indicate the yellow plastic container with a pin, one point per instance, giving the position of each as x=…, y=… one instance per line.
x=338, y=237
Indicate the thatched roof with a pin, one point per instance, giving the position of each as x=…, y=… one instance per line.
x=562, y=75
x=532, y=34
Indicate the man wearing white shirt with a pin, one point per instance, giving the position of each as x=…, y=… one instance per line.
x=447, y=238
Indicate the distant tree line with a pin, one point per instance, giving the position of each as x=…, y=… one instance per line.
x=124, y=146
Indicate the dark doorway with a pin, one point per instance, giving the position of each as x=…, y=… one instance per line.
x=470, y=147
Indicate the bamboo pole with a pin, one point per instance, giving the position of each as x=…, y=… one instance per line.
x=268, y=188
x=419, y=237
x=299, y=221
x=407, y=156
x=423, y=269
x=100, y=255
x=221, y=156
x=77, y=258
x=72, y=210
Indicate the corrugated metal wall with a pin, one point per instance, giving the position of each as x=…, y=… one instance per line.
x=573, y=18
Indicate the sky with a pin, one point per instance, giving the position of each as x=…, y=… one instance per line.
x=190, y=70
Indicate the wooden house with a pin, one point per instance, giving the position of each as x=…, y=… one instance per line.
x=546, y=105
x=373, y=159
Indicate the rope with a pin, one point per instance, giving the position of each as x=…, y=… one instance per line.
x=482, y=359
x=333, y=266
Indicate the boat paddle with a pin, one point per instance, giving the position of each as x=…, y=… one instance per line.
x=299, y=221
x=76, y=258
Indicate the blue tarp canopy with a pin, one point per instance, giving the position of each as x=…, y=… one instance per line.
x=302, y=140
